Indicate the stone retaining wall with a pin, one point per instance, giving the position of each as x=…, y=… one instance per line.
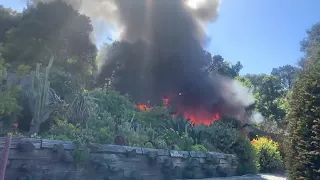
x=44, y=159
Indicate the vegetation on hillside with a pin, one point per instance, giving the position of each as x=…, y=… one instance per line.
x=49, y=89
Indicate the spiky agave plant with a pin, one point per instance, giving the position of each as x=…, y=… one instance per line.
x=81, y=108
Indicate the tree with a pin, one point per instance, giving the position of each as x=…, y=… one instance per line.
x=245, y=81
x=286, y=74
x=268, y=95
x=309, y=43
x=303, y=156
x=8, y=19
x=219, y=65
x=9, y=93
x=52, y=29
x=256, y=80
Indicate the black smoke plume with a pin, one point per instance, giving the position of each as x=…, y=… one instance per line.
x=159, y=53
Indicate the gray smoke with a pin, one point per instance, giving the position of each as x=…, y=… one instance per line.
x=135, y=19
x=166, y=56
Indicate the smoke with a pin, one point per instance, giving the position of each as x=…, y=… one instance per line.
x=161, y=52
x=256, y=118
x=133, y=19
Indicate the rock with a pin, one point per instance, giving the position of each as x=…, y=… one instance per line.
x=131, y=153
x=188, y=174
x=63, y=155
x=234, y=163
x=25, y=146
x=152, y=157
x=135, y=175
x=222, y=171
x=194, y=162
x=66, y=158
x=177, y=172
x=168, y=163
x=198, y=173
x=26, y=168
x=69, y=176
x=209, y=170
x=212, y=159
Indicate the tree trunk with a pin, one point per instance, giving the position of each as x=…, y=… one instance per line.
x=34, y=128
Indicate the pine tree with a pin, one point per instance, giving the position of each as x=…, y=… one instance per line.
x=303, y=158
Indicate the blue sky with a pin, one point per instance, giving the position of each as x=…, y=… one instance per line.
x=261, y=34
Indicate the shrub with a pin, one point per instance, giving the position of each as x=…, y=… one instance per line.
x=173, y=138
x=160, y=144
x=267, y=152
x=246, y=156
x=199, y=147
x=224, y=137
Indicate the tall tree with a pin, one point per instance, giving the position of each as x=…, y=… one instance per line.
x=52, y=29
x=256, y=80
x=220, y=65
x=310, y=43
x=8, y=19
x=303, y=157
x=269, y=93
x=286, y=74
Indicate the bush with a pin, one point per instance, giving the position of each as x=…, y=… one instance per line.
x=148, y=145
x=199, y=147
x=222, y=136
x=246, y=156
x=173, y=138
x=267, y=152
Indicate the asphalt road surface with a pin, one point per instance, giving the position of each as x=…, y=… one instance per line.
x=251, y=177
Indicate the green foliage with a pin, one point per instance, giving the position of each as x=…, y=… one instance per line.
x=8, y=19
x=224, y=137
x=303, y=156
x=269, y=158
x=8, y=94
x=199, y=147
x=245, y=81
x=287, y=74
x=63, y=130
x=218, y=64
x=161, y=144
x=113, y=102
x=81, y=108
x=148, y=145
x=246, y=156
x=42, y=102
x=39, y=36
x=156, y=117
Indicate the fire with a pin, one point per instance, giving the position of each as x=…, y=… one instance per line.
x=144, y=107
x=165, y=101
x=196, y=115
x=199, y=115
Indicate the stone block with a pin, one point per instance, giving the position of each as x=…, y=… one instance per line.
x=197, y=154
x=182, y=154
x=25, y=146
x=160, y=152
x=117, y=149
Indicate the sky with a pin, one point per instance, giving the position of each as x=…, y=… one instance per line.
x=261, y=34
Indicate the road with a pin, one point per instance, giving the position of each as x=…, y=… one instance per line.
x=250, y=177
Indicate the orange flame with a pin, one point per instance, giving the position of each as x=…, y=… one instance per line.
x=199, y=115
x=196, y=115
x=144, y=107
